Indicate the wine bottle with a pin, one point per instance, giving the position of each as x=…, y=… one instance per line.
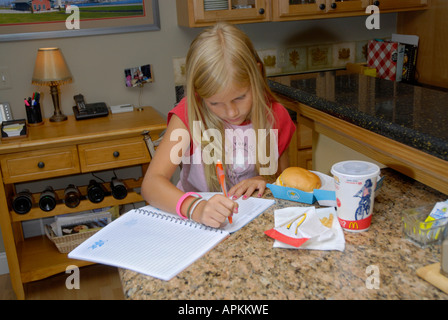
x=47, y=200
x=118, y=189
x=72, y=196
x=22, y=202
x=95, y=192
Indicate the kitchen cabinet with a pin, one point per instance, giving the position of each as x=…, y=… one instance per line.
x=298, y=9
x=300, y=147
x=300, y=152
x=67, y=149
x=430, y=26
x=199, y=13
x=400, y=5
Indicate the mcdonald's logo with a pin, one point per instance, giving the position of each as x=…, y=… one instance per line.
x=358, y=225
x=353, y=225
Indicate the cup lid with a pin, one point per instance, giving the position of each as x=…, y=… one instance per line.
x=355, y=168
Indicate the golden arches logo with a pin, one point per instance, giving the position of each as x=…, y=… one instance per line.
x=353, y=225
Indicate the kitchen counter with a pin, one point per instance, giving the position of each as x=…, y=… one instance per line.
x=412, y=115
x=246, y=266
x=401, y=126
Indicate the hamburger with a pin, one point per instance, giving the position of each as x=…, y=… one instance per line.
x=299, y=178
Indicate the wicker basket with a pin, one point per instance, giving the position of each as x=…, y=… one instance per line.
x=65, y=244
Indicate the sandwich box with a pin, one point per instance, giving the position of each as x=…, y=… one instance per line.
x=325, y=195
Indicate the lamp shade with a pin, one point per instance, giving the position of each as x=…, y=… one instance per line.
x=50, y=68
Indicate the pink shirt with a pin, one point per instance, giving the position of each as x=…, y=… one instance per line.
x=241, y=148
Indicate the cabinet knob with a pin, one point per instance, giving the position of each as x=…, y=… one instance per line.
x=333, y=5
x=261, y=11
x=322, y=6
x=116, y=154
x=41, y=164
x=377, y=3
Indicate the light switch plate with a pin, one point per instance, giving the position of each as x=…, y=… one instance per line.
x=5, y=79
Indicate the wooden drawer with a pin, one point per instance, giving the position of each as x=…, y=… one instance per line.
x=42, y=164
x=113, y=154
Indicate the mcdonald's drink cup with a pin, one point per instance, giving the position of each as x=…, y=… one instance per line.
x=355, y=183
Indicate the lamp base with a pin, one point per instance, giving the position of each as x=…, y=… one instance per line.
x=58, y=117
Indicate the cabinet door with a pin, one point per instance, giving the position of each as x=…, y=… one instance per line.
x=399, y=4
x=207, y=12
x=338, y=6
x=293, y=9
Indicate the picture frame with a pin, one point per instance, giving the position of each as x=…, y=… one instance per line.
x=149, y=20
x=138, y=76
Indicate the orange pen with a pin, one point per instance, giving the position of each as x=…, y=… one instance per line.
x=222, y=180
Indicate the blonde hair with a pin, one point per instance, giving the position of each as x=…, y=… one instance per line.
x=220, y=56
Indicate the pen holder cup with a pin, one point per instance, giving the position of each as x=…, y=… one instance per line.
x=34, y=114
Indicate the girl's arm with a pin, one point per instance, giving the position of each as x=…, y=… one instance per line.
x=158, y=190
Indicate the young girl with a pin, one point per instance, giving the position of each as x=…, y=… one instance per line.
x=228, y=114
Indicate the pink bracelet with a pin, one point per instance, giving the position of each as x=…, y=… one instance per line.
x=182, y=199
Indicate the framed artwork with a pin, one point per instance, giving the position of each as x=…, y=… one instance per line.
x=41, y=19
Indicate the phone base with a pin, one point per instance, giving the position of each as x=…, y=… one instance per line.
x=93, y=110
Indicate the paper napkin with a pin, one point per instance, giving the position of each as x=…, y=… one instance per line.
x=309, y=234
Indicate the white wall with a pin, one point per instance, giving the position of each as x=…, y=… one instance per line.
x=97, y=63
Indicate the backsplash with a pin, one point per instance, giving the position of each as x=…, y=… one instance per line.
x=299, y=59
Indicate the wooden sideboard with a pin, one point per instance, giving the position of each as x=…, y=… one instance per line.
x=65, y=149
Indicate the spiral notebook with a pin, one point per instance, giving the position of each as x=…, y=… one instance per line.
x=156, y=243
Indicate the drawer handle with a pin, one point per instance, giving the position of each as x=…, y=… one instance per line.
x=333, y=5
x=41, y=164
x=116, y=154
x=261, y=11
x=322, y=6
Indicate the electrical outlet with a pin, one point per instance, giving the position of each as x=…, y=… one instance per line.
x=5, y=79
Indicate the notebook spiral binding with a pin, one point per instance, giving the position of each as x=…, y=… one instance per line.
x=186, y=222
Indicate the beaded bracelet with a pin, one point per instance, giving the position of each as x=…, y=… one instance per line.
x=195, y=205
x=182, y=199
x=189, y=206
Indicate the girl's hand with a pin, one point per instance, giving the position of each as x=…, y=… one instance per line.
x=247, y=187
x=215, y=211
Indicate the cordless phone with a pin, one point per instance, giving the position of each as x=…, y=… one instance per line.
x=90, y=110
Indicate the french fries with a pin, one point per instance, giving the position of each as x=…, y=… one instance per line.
x=327, y=222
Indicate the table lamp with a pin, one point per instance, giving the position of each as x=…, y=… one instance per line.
x=51, y=70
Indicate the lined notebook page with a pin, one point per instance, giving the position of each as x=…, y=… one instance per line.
x=150, y=243
x=248, y=210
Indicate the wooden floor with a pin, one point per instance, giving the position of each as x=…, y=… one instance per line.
x=97, y=282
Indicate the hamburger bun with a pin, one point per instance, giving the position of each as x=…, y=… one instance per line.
x=298, y=178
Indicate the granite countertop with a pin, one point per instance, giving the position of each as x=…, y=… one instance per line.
x=246, y=266
x=412, y=115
